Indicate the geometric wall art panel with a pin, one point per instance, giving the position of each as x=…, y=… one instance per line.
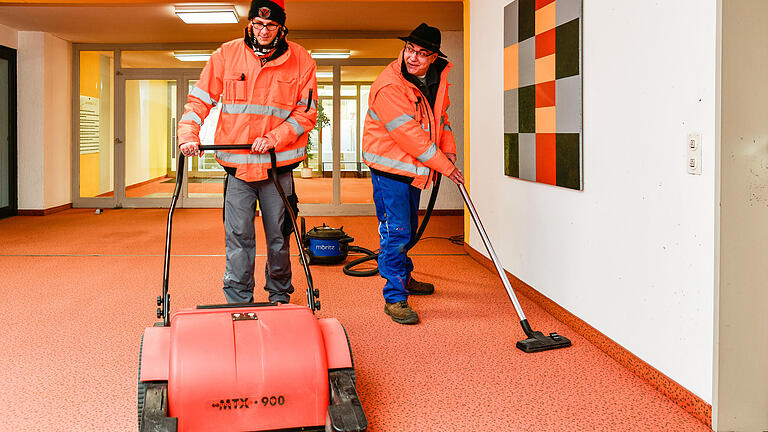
x=543, y=140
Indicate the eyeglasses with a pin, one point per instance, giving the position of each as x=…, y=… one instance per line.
x=259, y=26
x=421, y=54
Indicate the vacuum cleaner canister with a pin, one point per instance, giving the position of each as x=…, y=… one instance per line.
x=327, y=245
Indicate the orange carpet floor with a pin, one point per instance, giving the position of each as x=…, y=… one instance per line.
x=77, y=290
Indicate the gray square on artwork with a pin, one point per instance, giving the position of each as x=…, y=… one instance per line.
x=527, y=59
x=566, y=10
x=527, y=146
x=568, y=106
x=510, y=111
x=510, y=24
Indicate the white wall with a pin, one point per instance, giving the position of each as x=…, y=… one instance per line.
x=9, y=37
x=58, y=122
x=45, y=121
x=631, y=254
x=452, y=45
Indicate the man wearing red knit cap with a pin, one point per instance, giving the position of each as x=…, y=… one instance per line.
x=268, y=93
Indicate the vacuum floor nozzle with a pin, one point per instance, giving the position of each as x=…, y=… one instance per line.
x=538, y=342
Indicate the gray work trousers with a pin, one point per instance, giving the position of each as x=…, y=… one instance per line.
x=240, y=201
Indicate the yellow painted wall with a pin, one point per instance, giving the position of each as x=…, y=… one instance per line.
x=89, y=86
x=158, y=123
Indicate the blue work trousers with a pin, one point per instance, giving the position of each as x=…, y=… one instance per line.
x=397, y=208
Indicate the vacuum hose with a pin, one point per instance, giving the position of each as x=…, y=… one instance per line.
x=370, y=255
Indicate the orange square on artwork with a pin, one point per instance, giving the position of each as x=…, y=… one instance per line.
x=546, y=163
x=545, y=120
x=511, y=66
x=544, y=69
x=545, y=18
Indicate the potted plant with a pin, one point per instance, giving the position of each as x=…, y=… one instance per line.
x=322, y=121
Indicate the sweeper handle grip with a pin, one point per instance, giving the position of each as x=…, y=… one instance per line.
x=492, y=253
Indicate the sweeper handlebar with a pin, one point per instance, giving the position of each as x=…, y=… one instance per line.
x=163, y=302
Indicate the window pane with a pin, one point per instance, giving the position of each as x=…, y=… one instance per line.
x=205, y=176
x=314, y=185
x=355, y=182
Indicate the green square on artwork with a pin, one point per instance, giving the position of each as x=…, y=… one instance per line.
x=526, y=19
x=526, y=106
x=568, y=160
x=512, y=154
x=567, y=49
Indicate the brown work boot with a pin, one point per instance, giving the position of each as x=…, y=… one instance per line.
x=401, y=313
x=415, y=287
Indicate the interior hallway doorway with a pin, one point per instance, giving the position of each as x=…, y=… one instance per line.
x=131, y=98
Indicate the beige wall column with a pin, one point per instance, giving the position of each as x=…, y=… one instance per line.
x=740, y=394
x=44, y=121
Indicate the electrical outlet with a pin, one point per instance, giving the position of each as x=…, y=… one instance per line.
x=693, y=151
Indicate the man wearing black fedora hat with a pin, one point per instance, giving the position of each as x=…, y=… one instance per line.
x=407, y=142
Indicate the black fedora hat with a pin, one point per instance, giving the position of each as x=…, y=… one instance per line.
x=426, y=37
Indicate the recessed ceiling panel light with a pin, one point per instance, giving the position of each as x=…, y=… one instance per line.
x=221, y=14
x=329, y=54
x=192, y=56
x=324, y=74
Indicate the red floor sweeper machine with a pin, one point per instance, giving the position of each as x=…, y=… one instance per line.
x=246, y=367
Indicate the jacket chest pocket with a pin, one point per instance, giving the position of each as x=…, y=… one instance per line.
x=236, y=88
x=282, y=91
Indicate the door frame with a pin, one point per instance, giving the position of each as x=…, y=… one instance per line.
x=12, y=209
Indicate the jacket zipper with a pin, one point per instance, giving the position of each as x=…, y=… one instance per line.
x=429, y=121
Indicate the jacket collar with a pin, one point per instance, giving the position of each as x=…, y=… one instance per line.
x=276, y=62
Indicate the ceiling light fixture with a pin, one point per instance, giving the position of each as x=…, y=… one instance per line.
x=329, y=54
x=217, y=14
x=198, y=56
x=324, y=74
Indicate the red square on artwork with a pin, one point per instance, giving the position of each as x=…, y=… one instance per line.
x=545, y=94
x=545, y=43
x=541, y=3
x=546, y=163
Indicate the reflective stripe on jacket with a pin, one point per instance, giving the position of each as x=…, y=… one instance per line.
x=403, y=135
x=271, y=100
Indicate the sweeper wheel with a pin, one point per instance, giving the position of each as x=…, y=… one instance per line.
x=351, y=357
x=142, y=387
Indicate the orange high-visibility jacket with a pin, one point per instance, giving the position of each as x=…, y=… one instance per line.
x=403, y=134
x=277, y=101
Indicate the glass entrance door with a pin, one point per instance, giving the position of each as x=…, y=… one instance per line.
x=8, y=203
x=340, y=182
x=150, y=113
x=148, y=146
